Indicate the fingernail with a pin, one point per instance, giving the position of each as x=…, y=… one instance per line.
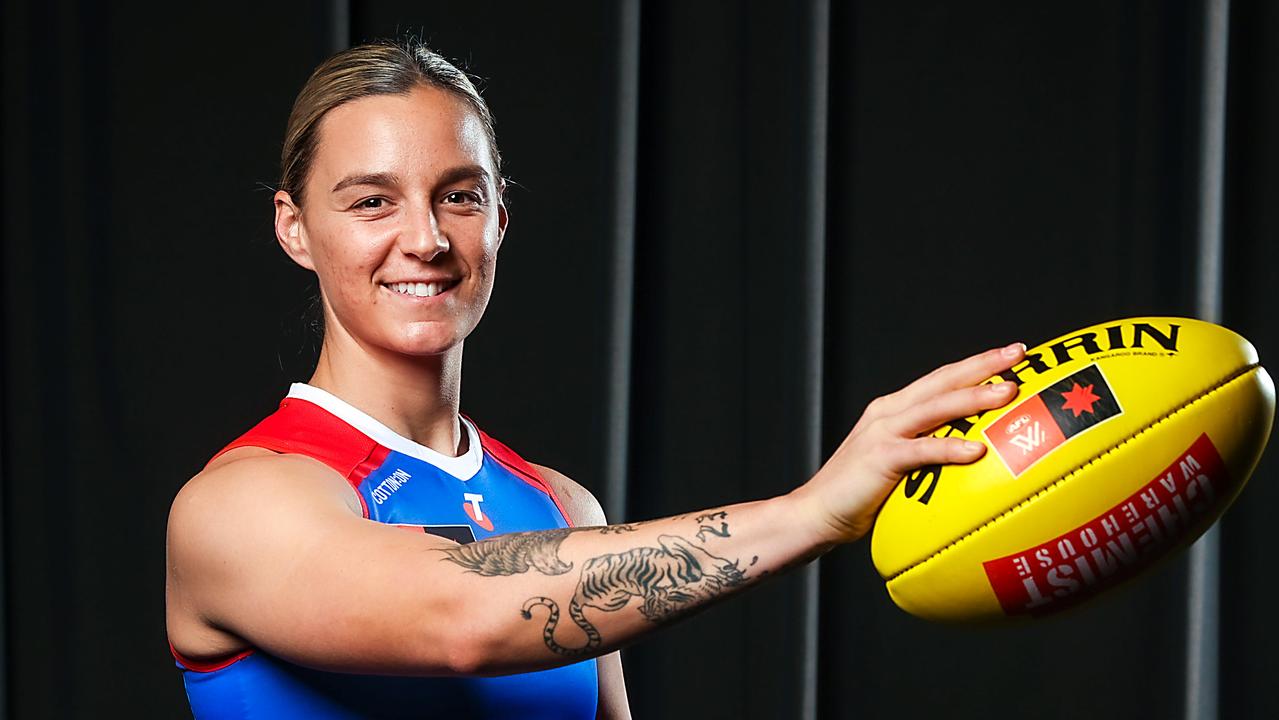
x=1000, y=388
x=971, y=446
x=1014, y=350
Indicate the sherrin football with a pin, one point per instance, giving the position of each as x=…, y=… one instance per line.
x=1125, y=442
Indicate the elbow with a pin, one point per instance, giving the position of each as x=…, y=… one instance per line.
x=458, y=645
x=466, y=656
x=481, y=654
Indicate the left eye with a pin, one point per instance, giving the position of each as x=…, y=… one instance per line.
x=458, y=196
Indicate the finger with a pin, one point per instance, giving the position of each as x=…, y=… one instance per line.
x=918, y=452
x=941, y=409
x=968, y=371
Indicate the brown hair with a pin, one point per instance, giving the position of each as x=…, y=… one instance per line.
x=378, y=68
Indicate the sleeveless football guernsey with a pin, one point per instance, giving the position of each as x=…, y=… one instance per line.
x=488, y=491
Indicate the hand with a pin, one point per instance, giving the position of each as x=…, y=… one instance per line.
x=842, y=499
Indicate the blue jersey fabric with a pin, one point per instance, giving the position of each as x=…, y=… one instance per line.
x=465, y=499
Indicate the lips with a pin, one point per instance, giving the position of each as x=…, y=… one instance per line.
x=421, y=289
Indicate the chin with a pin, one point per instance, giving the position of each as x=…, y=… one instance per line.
x=415, y=337
x=424, y=348
x=425, y=344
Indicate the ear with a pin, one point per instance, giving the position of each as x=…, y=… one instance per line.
x=289, y=232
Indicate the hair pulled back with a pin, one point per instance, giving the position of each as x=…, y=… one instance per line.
x=377, y=68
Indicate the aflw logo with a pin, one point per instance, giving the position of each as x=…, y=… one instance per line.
x=387, y=487
x=1029, y=440
x=1052, y=416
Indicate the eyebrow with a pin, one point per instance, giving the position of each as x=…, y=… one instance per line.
x=385, y=179
x=380, y=179
x=464, y=172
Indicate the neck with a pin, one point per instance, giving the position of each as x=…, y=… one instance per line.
x=416, y=397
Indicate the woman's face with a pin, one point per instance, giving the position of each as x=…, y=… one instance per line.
x=401, y=221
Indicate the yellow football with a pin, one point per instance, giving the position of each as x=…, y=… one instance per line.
x=1125, y=442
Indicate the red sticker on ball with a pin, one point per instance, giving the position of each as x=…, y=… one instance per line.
x=1115, y=545
x=1025, y=435
x=1049, y=418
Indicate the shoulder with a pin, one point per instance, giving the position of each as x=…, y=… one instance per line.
x=228, y=498
x=228, y=524
x=582, y=507
x=258, y=473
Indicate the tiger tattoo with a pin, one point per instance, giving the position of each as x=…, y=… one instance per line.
x=668, y=579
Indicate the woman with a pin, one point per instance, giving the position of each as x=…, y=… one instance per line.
x=368, y=552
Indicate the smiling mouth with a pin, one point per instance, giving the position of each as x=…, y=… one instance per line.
x=421, y=289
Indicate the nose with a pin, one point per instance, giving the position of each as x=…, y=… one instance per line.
x=423, y=238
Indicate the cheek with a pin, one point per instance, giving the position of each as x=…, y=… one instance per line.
x=488, y=264
x=345, y=262
x=486, y=271
x=487, y=251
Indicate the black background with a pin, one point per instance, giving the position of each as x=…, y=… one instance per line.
x=994, y=171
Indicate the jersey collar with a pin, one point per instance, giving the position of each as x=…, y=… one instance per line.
x=463, y=467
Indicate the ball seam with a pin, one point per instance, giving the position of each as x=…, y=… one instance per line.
x=1075, y=471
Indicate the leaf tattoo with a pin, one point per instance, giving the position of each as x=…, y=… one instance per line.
x=514, y=554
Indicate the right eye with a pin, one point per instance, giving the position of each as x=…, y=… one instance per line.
x=372, y=203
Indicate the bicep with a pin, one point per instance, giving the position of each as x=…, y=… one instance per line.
x=270, y=551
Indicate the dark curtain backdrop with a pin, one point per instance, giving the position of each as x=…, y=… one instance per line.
x=807, y=206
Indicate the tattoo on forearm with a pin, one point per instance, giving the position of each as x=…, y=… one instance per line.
x=721, y=531
x=514, y=554
x=670, y=579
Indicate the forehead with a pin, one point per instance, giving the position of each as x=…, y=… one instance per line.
x=424, y=131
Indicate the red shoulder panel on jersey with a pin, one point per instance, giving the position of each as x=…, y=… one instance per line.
x=521, y=467
x=210, y=666
x=304, y=428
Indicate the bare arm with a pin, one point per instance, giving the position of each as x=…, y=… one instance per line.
x=584, y=510
x=325, y=588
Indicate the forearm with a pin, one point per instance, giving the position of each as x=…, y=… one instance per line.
x=542, y=598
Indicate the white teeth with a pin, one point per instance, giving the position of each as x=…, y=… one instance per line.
x=417, y=289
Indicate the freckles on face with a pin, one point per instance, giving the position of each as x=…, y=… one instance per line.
x=403, y=219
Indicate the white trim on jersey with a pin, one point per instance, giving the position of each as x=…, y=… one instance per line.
x=464, y=467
